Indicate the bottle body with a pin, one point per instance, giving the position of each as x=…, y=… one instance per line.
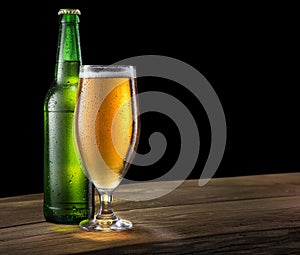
x=68, y=194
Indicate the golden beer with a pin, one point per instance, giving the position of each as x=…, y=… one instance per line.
x=107, y=132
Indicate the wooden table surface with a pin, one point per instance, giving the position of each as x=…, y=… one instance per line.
x=236, y=215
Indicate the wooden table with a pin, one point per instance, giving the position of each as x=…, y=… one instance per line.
x=239, y=215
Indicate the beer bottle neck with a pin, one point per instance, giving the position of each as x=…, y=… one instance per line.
x=68, y=55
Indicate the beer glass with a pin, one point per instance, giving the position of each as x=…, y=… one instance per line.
x=106, y=129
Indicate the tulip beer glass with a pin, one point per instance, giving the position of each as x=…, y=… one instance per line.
x=106, y=128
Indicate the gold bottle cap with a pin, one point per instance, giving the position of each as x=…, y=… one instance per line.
x=69, y=11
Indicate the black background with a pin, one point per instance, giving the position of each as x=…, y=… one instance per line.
x=248, y=53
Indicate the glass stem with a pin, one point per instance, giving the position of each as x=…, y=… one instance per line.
x=106, y=211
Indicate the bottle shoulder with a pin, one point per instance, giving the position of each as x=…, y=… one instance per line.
x=61, y=98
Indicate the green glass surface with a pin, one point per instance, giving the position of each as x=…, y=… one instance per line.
x=68, y=194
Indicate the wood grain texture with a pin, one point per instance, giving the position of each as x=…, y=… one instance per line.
x=237, y=215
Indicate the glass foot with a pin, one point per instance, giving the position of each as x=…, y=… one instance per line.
x=105, y=225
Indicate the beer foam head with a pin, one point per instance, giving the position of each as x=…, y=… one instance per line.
x=107, y=71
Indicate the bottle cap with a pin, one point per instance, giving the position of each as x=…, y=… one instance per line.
x=69, y=11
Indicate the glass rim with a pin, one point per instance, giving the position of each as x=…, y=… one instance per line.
x=107, y=71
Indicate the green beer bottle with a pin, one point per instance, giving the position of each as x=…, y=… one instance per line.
x=68, y=195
